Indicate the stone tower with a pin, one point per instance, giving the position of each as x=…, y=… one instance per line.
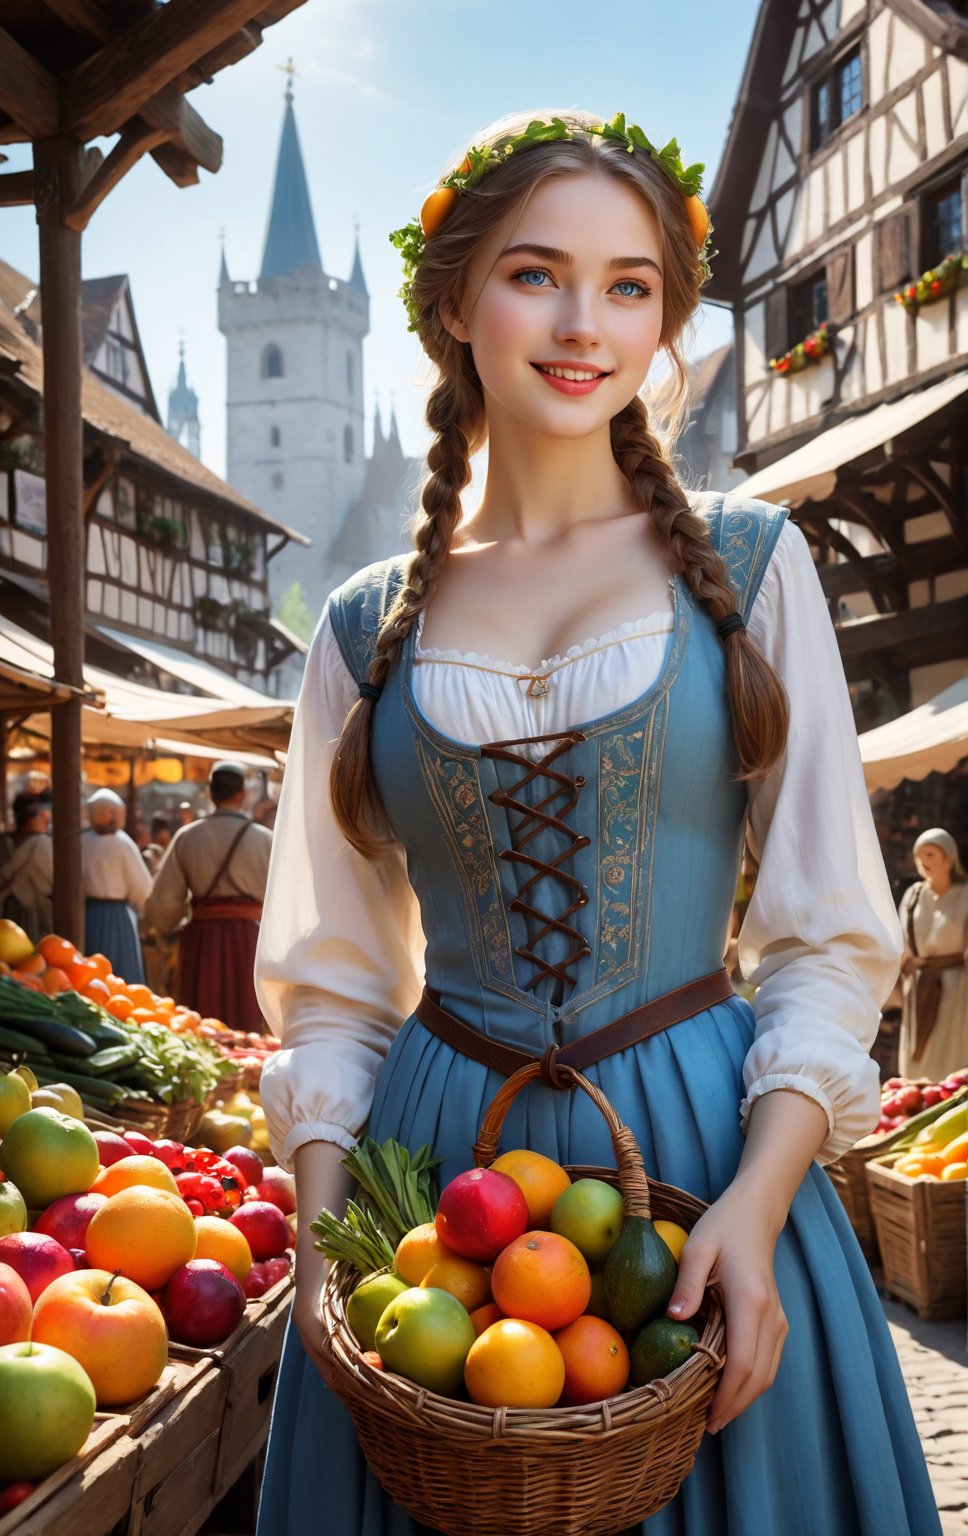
x=294, y=395
x=183, y=423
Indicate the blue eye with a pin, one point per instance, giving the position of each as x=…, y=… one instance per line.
x=629, y=283
x=525, y=277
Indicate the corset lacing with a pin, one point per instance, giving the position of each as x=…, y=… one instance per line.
x=565, y=788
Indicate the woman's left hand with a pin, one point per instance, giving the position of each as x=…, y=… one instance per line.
x=731, y=1247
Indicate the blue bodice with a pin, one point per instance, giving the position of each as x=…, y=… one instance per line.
x=563, y=885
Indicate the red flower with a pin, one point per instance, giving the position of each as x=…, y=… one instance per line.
x=936, y=286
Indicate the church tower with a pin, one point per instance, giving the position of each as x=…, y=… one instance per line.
x=294, y=394
x=183, y=423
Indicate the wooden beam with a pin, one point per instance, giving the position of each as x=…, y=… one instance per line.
x=27, y=92
x=178, y=166
x=16, y=189
x=935, y=557
x=102, y=93
x=110, y=458
x=935, y=621
x=136, y=139
x=59, y=164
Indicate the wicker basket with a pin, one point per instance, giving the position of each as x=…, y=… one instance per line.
x=921, y=1232
x=586, y=1471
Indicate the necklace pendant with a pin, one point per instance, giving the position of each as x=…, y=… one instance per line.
x=537, y=688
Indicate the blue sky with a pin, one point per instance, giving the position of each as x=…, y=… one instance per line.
x=385, y=93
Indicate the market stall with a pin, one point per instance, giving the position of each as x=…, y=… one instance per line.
x=929, y=739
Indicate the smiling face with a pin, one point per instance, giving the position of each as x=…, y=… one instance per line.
x=562, y=306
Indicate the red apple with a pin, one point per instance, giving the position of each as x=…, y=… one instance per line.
x=248, y=1163
x=37, y=1259
x=264, y=1227
x=14, y=1494
x=254, y=1284
x=276, y=1270
x=139, y=1144
x=909, y=1100
x=81, y=1260
x=203, y=1302
x=16, y=1307
x=67, y=1218
x=930, y=1096
x=279, y=1188
x=480, y=1212
x=171, y=1153
x=111, y=1148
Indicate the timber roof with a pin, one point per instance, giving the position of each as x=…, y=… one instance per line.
x=757, y=104
x=104, y=412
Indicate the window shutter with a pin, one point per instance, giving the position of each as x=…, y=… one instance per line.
x=777, y=326
x=893, y=248
x=840, y=286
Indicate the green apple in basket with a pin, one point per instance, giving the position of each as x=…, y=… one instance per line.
x=425, y=1334
x=369, y=1302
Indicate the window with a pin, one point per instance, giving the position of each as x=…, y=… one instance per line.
x=349, y=372
x=943, y=221
x=277, y=480
x=275, y=437
x=272, y=362
x=835, y=97
x=348, y=444
x=808, y=306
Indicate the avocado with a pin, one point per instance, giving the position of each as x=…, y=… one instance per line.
x=660, y=1348
x=640, y=1275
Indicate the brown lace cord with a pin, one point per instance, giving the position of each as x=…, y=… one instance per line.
x=533, y=819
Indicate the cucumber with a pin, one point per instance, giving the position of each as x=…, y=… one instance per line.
x=56, y=1036
x=98, y=1089
x=105, y=1034
x=105, y=1063
x=11, y=1040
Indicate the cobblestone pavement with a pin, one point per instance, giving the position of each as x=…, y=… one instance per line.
x=934, y=1359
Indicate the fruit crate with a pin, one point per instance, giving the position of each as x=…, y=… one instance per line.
x=251, y=1368
x=90, y=1494
x=174, y=1487
x=921, y=1232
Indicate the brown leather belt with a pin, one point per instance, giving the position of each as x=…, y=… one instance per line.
x=650, y=1019
x=218, y=908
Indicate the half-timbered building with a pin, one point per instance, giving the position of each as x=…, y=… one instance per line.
x=840, y=216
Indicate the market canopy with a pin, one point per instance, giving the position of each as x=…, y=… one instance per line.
x=810, y=473
x=930, y=739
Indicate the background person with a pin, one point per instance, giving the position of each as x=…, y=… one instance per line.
x=27, y=877
x=210, y=885
x=116, y=884
x=934, y=967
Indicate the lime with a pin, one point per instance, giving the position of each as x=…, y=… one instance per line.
x=661, y=1347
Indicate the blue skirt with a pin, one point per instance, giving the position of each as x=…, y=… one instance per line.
x=830, y=1450
x=111, y=929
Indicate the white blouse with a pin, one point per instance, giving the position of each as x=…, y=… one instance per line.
x=340, y=957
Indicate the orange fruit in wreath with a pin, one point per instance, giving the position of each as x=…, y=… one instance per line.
x=596, y=1361
x=540, y=1180
x=541, y=1278
x=698, y=219
x=514, y=1364
x=435, y=209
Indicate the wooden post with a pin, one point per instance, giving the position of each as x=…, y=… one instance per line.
x=58, y=179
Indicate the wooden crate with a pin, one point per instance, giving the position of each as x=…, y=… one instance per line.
x=88, y=1496
x=175, y=1484
x=921, y=1233
x=252, y=1367
x=848, y=1175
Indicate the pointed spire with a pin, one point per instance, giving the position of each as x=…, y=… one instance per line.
x=357, y=280
x=378, y=438
x=393, y=436
x=291, y=233
x=223, y=271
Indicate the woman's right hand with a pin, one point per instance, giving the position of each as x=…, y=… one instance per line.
x=320, y=1184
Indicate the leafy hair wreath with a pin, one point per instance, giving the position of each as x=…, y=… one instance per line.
x=412, y=239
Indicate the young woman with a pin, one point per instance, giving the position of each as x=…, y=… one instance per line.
x=533, y=747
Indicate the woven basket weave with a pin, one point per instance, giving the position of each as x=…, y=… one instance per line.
x=587, y=1471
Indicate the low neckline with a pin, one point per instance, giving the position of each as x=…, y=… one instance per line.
x=650, y=696
x=632, y=629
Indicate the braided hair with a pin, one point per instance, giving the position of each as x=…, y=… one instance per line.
x=456, y=416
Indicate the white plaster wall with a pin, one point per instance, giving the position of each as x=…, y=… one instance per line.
x=931, y=94
x=784, y=218
x=958, y=91
x=961, y=319
x=903, y=160
x=874, y=377
x=792, y=119
x=906, y=112
x=895, y=332
x=864, y=271
x=856, y=190
x=754, y=323
x=878, y=36
x=931, y=334
x=877, y=141
x=813, y=196
x=765, y=180
x=907, y=55
x=849, y=9
x=836, y=187
x=764, y=254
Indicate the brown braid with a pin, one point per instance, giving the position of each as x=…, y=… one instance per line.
x=355, y=801
x=758, y=703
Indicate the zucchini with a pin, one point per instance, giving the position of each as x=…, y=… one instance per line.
x=105, y=1034
x=56, y=1036
x=97, y=1089
x=11, y=1040
x=105, y=1063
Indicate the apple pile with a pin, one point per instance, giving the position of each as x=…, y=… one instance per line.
x=503, y=1297
x=902, y=1098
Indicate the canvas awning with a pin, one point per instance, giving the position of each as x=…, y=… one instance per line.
x=200, y=675
x=130, y=716
x=930, y=739
x=810, y=473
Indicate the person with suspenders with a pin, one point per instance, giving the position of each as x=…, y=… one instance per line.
x=210, y=885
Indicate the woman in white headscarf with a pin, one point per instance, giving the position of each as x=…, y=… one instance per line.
x=934, y=918
x=116, y=886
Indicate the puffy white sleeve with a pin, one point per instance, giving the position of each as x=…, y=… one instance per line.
x=339, y=964
x=821, y=940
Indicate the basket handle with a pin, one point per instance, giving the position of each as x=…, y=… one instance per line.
x=633, y=1180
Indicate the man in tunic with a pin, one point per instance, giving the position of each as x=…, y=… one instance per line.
x=27, y=877
x=210, y=885
x=116, y=884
